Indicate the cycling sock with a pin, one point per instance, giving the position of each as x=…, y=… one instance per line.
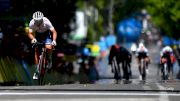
x=37, y=70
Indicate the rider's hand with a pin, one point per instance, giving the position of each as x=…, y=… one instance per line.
x=53, y=43
x=33, y=41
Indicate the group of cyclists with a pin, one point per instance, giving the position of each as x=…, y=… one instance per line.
x=142, y=56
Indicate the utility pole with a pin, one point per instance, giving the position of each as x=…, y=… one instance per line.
x=110, y=19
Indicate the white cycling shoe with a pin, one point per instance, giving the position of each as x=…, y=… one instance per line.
x=35, y=76
x=147, y=71
x=140, y=77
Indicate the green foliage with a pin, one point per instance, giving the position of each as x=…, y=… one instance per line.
x=95, y=29
x=166, y=15
x=90, y=34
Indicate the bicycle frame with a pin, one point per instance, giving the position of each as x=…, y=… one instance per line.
x=41, y=63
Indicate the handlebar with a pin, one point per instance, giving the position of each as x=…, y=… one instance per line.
x=41, y=44
x=38, y=43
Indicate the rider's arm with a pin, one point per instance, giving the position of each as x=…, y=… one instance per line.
x=30, y=34
x=30, y=30
x=51, y=28
x=54, y=33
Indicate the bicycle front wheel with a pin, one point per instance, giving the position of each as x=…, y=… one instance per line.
x=42, y=69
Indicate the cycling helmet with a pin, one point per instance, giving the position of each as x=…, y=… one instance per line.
x=141, y=45
x=38, y=16
x=168, y=49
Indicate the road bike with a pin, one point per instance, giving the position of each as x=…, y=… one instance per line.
x=164, y=69
x=42, y=62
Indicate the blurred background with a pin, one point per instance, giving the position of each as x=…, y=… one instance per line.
x=86, y=31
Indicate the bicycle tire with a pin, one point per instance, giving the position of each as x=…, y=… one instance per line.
x=165, y=71
x=143, y=69
x=42, y=69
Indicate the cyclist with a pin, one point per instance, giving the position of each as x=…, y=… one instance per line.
x=125, y=58
x=113, y=61
x=42, y=30
x=121, y=56
x=166, y=54
x=142, y=52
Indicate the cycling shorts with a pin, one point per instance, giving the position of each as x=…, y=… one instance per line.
x=44, y=37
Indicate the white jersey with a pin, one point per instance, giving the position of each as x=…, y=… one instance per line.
x=46, y=25
x=139, y=50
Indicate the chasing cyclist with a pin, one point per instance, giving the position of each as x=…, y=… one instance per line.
x=142, y=53
x=42, y=30
x=166, y=54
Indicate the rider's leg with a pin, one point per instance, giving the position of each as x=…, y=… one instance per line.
x=147, y=63
x=125, y=70
x=170, y=65
x=128, y=66
x=36, y=59
x=140, y=71
x=49, y=48
x=35, y=76
x=49, y=55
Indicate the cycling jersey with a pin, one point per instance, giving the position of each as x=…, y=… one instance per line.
x=167, y=53
x=142, y=53
x=42, y=30
x=166, y=50
x=46, y=25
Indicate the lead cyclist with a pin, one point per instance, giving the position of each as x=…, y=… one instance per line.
x=42, y=30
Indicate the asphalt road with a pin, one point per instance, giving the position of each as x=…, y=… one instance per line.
x=93, y=92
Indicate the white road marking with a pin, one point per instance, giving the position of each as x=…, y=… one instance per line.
x=162, y=98
x=163, y=94
x=88, y=99
x=147, y=88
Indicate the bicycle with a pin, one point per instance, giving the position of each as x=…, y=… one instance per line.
x=42, y=62
x=164, y=69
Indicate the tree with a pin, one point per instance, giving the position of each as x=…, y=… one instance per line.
x=166, y=15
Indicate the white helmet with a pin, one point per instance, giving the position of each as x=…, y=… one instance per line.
x=141, y=44
x=38, y=16
x=168, y=49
